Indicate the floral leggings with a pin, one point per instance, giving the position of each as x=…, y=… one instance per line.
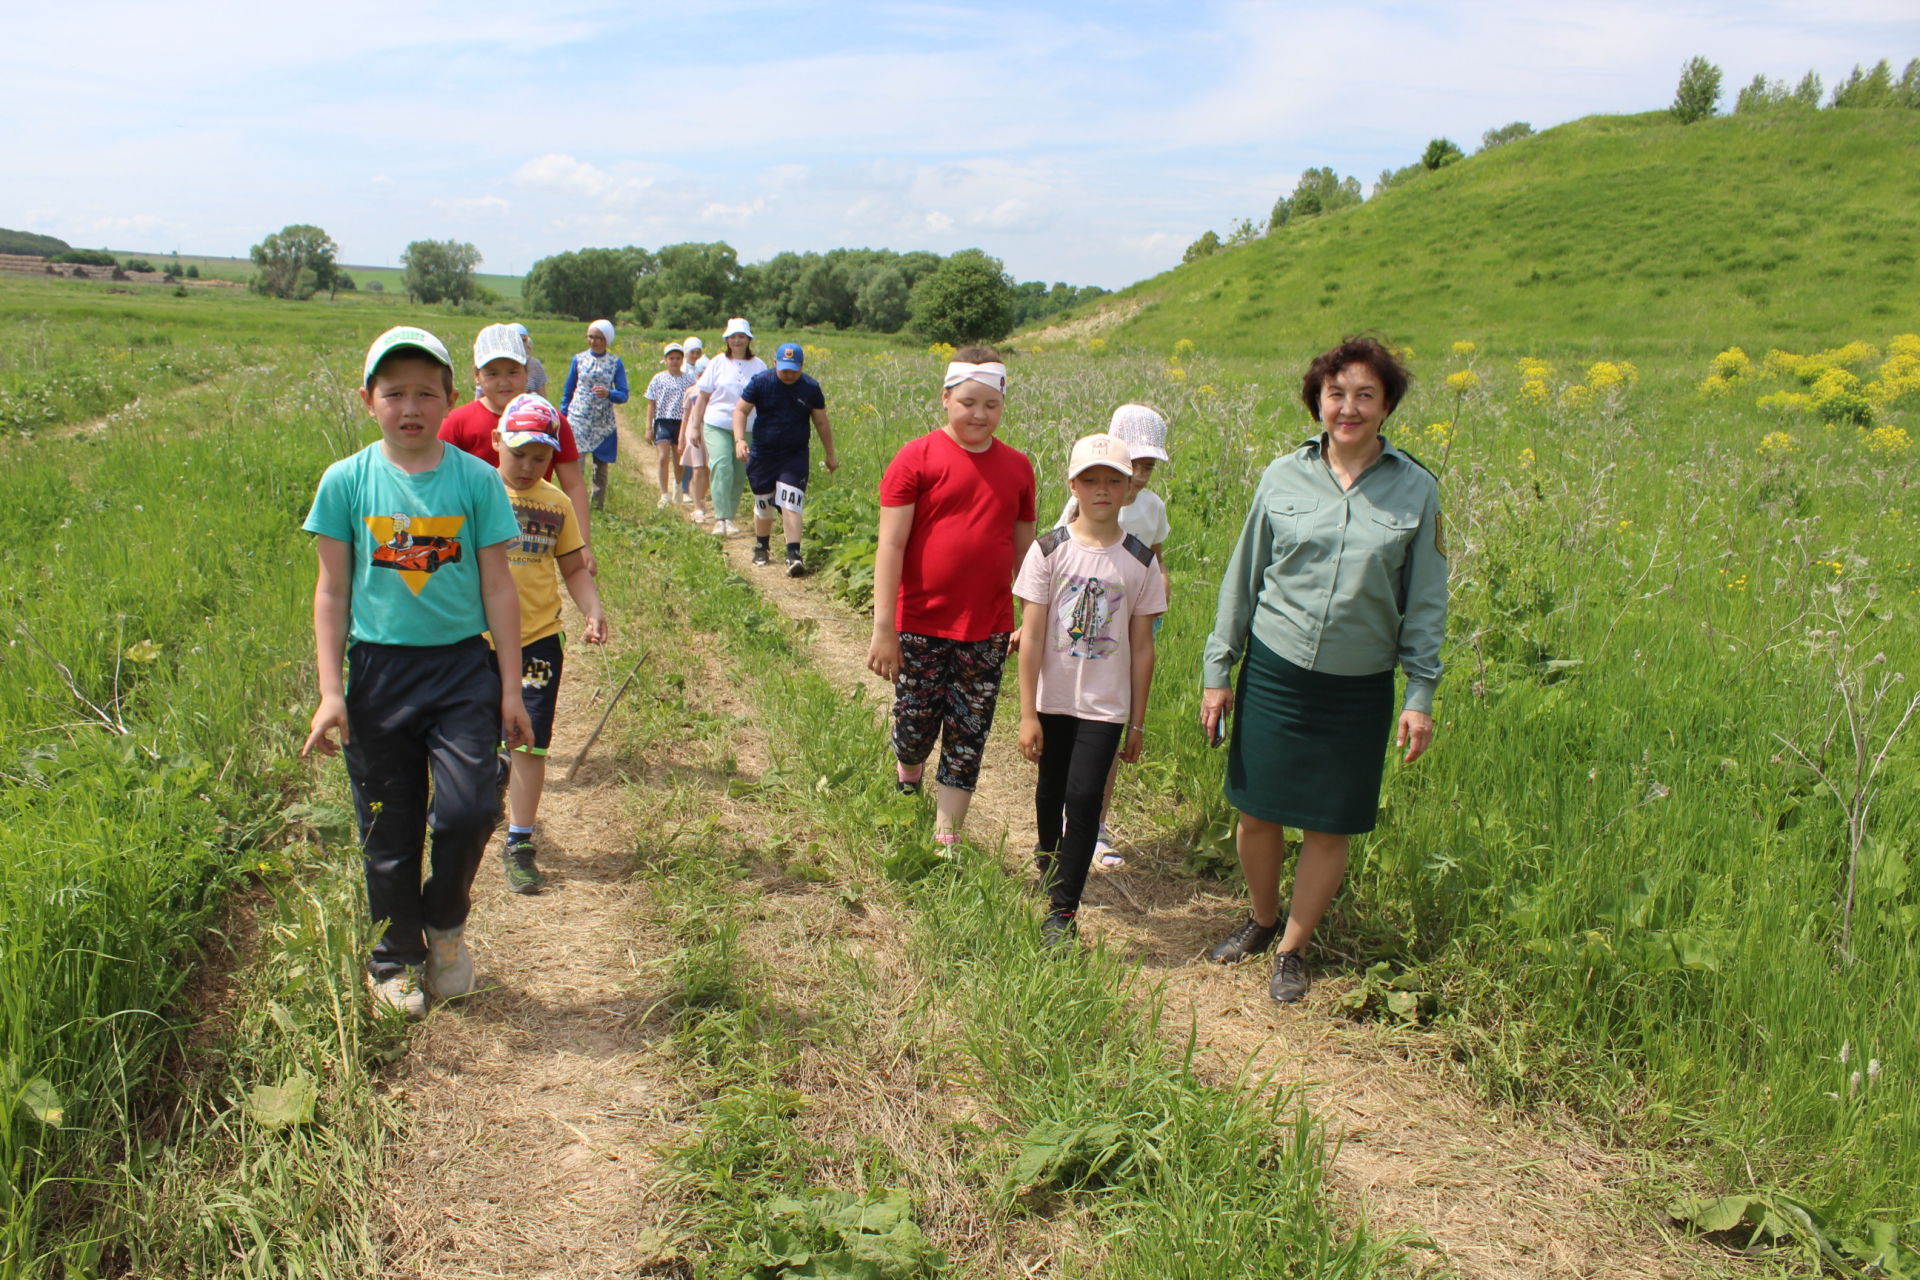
x=946, y=689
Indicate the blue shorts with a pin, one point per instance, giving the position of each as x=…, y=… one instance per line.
x=540, y=664
x=666, y=431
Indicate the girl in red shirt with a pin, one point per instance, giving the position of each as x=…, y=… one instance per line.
x=956, y=518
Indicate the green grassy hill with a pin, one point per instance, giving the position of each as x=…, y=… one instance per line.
x=392, y=279
x=1624, y=234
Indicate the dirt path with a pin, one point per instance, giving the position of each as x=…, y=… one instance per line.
x=537, y=1116
x=1498, y=1195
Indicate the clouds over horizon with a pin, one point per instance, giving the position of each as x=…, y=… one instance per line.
x=1090, y=147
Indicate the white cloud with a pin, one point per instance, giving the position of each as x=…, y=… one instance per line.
x=938, y=222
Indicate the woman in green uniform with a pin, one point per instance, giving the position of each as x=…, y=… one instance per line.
x=1340, y=574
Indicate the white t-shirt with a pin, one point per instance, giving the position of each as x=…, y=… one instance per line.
x=1091, y=594
x=723, y=381
x=1145, y=518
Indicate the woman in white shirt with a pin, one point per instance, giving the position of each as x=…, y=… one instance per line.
x=715, y=394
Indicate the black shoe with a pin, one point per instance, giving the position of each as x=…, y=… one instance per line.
x=1058, y=930
x=760, y=555
x=1289, y=977
x=1250, y=939
x=796, y=565
x=523, y=876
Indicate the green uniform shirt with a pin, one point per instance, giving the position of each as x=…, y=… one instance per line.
x=1344, y=581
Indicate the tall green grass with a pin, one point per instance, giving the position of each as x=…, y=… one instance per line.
x=1615, y=863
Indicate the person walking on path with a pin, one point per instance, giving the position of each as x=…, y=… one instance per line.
x=596, y=382
x=786, y=406
x=716, y=392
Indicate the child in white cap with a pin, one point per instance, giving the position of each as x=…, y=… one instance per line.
x=596, y=382
x=1092, y=591
x=1143, y=515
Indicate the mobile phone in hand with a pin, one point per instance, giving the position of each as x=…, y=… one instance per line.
x=1219, y=731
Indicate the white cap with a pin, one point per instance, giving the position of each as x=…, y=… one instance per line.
x=694, y=343
x=1099, y=450
x=1144, y=430
x=737, y=325
x=673, y=347
x=498, y=342
x=394, y=339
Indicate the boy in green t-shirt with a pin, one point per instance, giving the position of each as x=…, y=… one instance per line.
x=548, y=549
x=412, y=538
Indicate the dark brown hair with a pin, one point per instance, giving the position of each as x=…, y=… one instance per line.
x=978, y=355
x=1361, y=348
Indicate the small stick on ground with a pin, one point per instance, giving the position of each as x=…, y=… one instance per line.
x=594, y=737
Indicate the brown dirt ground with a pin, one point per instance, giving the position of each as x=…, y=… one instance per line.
x=538, y=1105
x=1496, y=1194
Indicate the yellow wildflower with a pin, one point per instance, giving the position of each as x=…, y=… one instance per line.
x=1464, y=349
x=1838, y=397
x=1532, y=368
x=1526, y=459
x=1403, y=354
x=1606, y=374
x=1855, y=352
x=1889, y=439
x=1732, y=364
x=942, y=349
x=1906, y=344
x=1778, y=442
x=1577, y=396
x=1534, y=391
x=1210, y=391
x=1462, y=381
x=1183, y=348
x=1096, y=345
x=1175, y=372
x=1790, y=401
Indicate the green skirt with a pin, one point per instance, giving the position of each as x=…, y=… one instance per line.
x=1308, y=748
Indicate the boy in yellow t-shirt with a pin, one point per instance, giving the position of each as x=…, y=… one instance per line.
x=548, y=549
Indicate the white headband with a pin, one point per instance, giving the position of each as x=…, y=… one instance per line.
x=993, y=374
x=602, y=328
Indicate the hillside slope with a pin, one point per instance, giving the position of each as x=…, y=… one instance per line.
x=1628, y=233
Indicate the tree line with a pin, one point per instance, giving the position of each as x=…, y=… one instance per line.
x=699, y=284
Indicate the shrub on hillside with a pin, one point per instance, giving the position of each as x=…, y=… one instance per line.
x=86, y=257
x=31, y=243
x=1504, y=134
x=1765, y=95
x=193, y=271
x=1698, y=95
x=1205, y=247
x=139, y=264
x=1318, y=191
x=1440, y=153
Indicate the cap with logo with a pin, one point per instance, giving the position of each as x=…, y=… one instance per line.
x=400, y=338
x=790, y=356
x=530, y=419
x=1099, y=450
x=498, y=342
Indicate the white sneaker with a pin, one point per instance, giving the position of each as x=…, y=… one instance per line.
x=401, y=992
x=449, y=963
x=685, y=497
x=699, y=516
x=664, y=500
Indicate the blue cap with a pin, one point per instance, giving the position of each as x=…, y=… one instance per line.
x=789, y=356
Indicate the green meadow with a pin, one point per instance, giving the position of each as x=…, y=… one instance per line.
x=1658, y=871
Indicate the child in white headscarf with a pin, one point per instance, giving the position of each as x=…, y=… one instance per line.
x=596, y=382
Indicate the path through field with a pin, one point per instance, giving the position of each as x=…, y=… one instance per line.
x=1498, y=1196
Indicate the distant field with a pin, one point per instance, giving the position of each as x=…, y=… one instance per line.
x=391, y=278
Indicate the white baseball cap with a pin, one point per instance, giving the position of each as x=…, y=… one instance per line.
x=403, y=335
x=498, y=342
x=1099, y=450
x=1143, y=429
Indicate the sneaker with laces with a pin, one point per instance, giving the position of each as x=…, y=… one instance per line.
x=1058, y=930
x=1250, y=939
x=1289, y=977
x=449, y=963
x=401, y=992
x=517, y=861
x=796, y=565
x=760, y=556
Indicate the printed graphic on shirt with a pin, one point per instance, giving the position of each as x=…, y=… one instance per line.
x=1087, y=608
x=415, y=546
x=539, y=531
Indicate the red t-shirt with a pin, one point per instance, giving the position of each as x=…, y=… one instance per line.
x=470, y=428
x=956, y=580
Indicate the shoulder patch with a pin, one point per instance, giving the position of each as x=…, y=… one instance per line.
x=1050, y=540
x=1137, y=549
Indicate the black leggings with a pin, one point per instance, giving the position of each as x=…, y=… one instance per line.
x=1075, y=756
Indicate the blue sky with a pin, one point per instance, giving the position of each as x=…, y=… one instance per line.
x=1089, y=143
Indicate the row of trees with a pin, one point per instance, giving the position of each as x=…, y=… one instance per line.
x=301, y=260
x=1323, y=190
x=1698, y=95
x=698, y=285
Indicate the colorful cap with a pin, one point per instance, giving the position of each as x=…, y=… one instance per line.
x=399, y=337
x=790, y=356
x=1144, y=430
x=498, y=342
x=1099, y=450
x=737, y=325
x=530, y=419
